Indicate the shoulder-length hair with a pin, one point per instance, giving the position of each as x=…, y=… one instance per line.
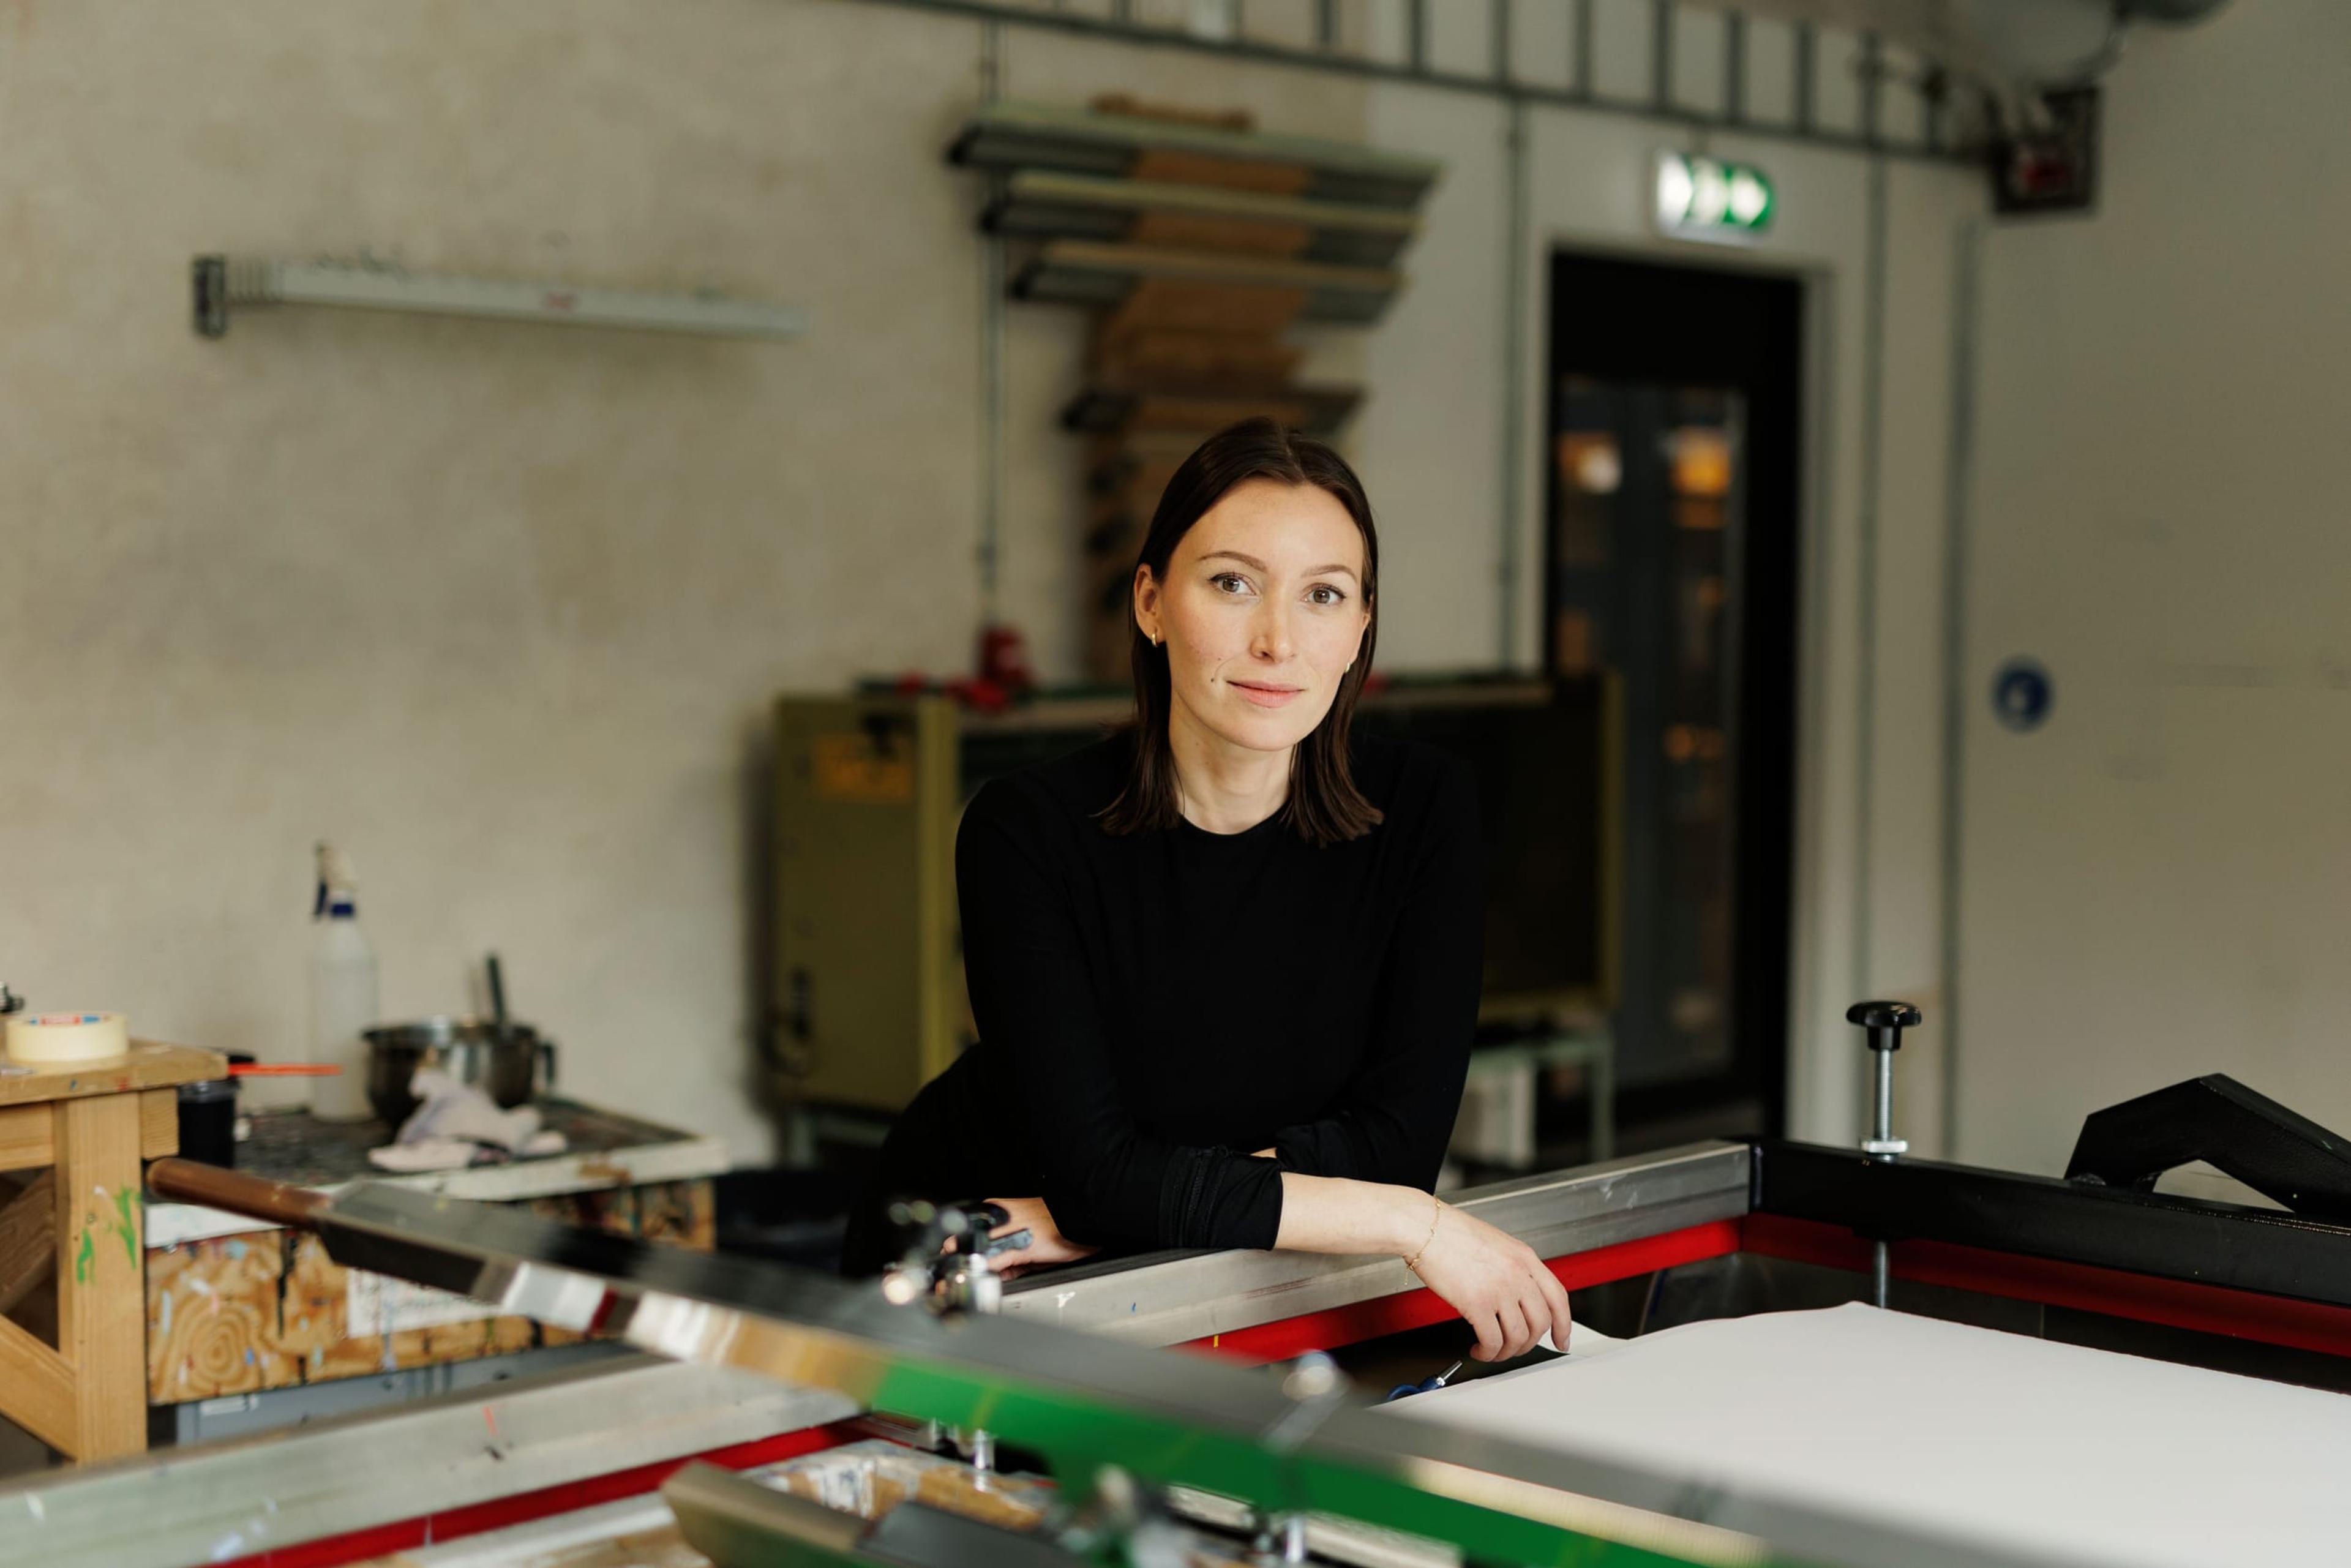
x=1324, y=805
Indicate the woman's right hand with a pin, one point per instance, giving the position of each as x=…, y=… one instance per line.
x=1496, y=1282
x=1047, y=1245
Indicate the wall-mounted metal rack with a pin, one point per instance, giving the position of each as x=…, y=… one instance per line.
x=1074, y=272
x=1017, y=135
x=222, y=281
x=1038, y=203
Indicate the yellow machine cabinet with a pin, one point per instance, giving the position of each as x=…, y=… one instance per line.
x=869, y=1001
x=869, y=983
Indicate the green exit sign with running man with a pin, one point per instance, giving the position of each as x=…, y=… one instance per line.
x=1706, y=198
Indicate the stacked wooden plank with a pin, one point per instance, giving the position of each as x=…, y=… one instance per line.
x=1200, y=243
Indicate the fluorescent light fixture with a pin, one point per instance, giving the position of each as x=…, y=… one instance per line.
x=1706, y=198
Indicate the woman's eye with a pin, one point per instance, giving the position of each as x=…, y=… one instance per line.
x=1229, y=582
x=1324, y=593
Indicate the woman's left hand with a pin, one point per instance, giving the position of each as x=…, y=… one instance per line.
x=1047, y=1245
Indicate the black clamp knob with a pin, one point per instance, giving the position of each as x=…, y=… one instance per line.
x=1881, y=1023
x=1884, y=1021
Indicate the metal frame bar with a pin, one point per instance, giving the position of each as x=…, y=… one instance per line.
x=1416, y=70
x=1085, y=1402
x=1168, y=1298
x=2148, y=1234
x=243, y=1497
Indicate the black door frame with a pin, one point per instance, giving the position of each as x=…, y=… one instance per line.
x=1680, y=321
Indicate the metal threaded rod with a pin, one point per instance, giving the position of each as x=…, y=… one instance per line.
x=1883, y=1123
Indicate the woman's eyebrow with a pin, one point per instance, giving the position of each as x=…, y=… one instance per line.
x=1256, y=565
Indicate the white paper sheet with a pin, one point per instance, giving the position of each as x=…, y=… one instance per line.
x=2013, y=1442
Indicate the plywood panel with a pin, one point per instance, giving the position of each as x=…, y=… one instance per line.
x=240, y=1314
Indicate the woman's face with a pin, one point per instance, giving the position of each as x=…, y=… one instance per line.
x=1262, y=612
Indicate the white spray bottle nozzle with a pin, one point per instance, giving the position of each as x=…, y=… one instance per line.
x=337, y=885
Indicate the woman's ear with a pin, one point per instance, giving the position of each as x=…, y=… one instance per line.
x=1147, y=603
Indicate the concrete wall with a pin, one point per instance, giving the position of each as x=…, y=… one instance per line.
x=2155, y=884
x=497, y=607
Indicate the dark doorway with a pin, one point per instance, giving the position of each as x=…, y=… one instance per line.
x=1671, y=565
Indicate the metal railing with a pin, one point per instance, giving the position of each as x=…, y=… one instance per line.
x=1409, y=55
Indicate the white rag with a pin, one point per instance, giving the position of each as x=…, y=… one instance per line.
x=452, y=1124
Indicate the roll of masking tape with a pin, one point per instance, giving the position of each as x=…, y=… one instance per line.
x=67, y=1037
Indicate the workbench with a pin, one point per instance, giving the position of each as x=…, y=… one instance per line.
x=70, y=1334
x=240, y=1314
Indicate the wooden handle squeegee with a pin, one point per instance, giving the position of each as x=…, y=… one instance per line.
x=281, y=1203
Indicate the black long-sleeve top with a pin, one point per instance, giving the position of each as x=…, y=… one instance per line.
x=1155, y=1006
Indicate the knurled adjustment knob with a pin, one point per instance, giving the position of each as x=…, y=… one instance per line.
x=1882, y=1023
x=1873, y=1017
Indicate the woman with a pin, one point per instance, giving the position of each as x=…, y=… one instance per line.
x=1225, y=964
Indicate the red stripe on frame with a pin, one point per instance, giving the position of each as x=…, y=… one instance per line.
x=1361, y=1321
x=329, y=1552
x=2177, y=1304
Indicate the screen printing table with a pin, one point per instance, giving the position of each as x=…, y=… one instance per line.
x=1075, y=1372
x=2142, y=1314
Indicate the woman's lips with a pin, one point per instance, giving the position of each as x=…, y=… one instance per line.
x=1266, y=695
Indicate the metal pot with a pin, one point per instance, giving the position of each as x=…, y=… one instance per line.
x=509, y=1069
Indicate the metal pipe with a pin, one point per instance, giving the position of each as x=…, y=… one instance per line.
x=1734, y=66
x=1514, y=289
x=1808, y=65
x=1866, y=568
x=989, y=549
x=1882, y=1118
x=1581, y=91
x=1661, y=55
x=1957, y=471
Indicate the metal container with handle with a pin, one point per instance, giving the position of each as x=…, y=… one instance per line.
x=510, y=1061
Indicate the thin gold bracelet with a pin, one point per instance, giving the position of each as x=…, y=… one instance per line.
x=1436, y=1208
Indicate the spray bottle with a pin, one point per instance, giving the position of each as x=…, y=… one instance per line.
x=342, y=992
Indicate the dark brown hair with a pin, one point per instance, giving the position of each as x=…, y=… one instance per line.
x=1324, y=806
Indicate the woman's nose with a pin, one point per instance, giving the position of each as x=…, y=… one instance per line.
x=1271, y=640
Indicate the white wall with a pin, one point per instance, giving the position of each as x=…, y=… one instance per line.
x=497, y=607
x=2157, y=884
x=500, y=608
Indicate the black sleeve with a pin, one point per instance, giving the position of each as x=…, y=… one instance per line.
x=1397, y=1118
x=1107, y=1181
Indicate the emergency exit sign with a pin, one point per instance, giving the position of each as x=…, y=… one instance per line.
x=1700, y=197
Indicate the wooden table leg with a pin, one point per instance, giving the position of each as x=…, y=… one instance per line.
x=102, y=1279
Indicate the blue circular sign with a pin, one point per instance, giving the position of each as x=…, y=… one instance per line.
x=2021, y=693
